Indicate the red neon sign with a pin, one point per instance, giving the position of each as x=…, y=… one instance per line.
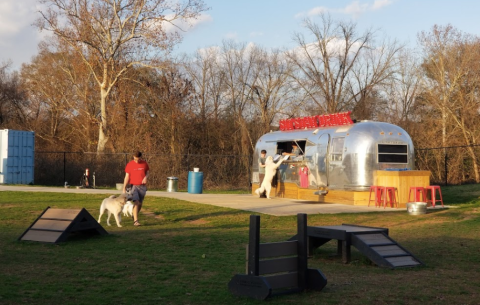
x=334, y=119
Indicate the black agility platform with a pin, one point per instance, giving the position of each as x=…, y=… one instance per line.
x=371, y=241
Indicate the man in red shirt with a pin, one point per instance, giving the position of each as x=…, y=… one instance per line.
x=136, y=172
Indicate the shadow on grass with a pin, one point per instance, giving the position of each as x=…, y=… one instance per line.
x=437, y=210
x=212, y=214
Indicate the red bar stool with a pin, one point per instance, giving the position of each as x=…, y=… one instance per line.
x=377, y=192
x=417, y=191
x=390, y=195
x=433, y=189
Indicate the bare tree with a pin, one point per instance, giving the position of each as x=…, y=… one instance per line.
x=402, y=90
x=208, y=105
x=237, y=60
x=451, y=66
x=270, y=92
x=13, y=103
x=340, y=69
x=208, y=78
x=60, y=91
x=112, y=36
x=167, y=106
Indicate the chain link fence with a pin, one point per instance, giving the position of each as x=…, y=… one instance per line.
x=449, y=165
x=220, y=172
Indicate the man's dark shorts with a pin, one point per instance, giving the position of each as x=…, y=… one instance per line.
x=139, y=192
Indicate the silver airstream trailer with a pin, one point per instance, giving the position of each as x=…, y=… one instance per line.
x=341, y=157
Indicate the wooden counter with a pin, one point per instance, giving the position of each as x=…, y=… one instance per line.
x=292, y=190
x=402, y=180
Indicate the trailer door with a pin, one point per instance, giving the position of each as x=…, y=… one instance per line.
x=317, y=156
x=336, y=172
x=322, y=148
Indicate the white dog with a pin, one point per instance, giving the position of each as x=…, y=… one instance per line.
x=270, y=171
x=114, y=205
x=128, y=209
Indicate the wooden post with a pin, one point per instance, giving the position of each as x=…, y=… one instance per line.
x=254, y=245
x=339, y=248
x=346, y=250
x=302, y=250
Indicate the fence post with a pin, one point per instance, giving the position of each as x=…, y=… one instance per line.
x=446, y=168
x=64, y=167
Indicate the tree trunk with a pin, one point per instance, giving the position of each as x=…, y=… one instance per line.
x=471, y=152
x=102, y=127
x=172, y=135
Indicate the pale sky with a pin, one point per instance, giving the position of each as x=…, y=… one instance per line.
x=267, y=23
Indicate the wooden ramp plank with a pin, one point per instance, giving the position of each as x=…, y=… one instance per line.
x=48, y=224
x=42, y=236
x=374, y=239
x=389, y=250
x=403, y=261
x=64, y=214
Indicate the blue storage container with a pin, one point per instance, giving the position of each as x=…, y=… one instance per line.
x=195, y=182
x=16, y=156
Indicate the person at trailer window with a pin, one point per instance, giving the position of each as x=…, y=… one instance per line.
x=261, y=164
x=295, y=151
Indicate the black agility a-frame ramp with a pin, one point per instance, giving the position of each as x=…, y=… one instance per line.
x=55, y=225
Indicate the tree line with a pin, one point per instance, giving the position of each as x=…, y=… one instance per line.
x=107, y=80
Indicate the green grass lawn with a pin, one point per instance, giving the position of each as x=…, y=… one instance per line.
x=186, y=253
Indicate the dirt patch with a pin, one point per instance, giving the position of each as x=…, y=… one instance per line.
x=470, y=214
x=197, y=222
x=6, y=206
x=474, y=211
x=151, y=214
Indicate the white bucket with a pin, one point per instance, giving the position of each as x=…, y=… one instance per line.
x=196, y=169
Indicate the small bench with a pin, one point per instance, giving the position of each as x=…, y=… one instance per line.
x=276, y=268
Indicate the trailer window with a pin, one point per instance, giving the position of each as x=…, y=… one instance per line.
x=337, y=149
x=392, y=153
x=287, y=146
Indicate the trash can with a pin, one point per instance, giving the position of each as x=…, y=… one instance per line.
x=172, y=184
x=195, y=182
